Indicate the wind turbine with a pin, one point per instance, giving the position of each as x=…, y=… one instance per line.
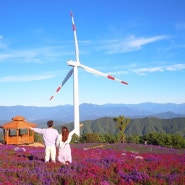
x=74, y=71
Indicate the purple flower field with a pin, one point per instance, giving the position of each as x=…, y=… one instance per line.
x=94, y=164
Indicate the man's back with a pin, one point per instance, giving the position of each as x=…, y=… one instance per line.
x=49, y=135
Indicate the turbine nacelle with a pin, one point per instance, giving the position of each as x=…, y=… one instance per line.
x=72, y=63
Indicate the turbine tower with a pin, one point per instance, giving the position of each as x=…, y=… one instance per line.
x=74, y=71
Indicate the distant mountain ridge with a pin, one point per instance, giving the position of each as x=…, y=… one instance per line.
x=64, y=113
x=138, y=126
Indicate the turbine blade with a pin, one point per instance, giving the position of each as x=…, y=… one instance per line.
x=63, y=82
x=67, y=77
x=93, y=71
x=75, y=38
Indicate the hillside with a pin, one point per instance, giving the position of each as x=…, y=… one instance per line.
x=140, y=126
x=145, y=117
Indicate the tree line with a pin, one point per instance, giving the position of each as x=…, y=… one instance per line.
x=122, y=123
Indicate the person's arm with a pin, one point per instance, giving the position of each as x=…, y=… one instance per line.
x=71, y=134
x=74, y=131
x=58, y=140
x=38, y=130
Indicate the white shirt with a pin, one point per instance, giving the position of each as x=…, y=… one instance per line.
x=49, y=135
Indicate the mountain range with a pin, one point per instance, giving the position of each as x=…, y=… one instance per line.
x=137, y=126
x=64, y=113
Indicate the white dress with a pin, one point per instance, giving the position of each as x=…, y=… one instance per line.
x=64, y=148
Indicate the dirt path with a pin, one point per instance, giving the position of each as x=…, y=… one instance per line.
x=35, y=144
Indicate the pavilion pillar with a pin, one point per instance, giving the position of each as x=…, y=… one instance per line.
x=17, y=136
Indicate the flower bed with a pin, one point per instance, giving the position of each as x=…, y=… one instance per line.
x=102, y=164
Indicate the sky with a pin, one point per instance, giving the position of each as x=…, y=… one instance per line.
x=140, y=42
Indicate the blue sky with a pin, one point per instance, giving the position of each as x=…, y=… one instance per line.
x=141, y=42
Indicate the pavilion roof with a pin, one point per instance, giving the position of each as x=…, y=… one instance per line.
x=17, y=122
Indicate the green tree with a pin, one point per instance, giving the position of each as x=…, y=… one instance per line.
x=122, y=124
x=168, y=140
x=75, y=138
x=163, y=139
x=133, y=139
x=90, y=138
x=109, y=138
x=151, y=138
x=177, y=141
x=38, y=138
x=102, y=138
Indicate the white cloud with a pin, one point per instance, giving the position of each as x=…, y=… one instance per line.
x=25, y=78
x=1, y=43
x=38, y=55
x=129, y=44
x=145, y=70
x=180, y=26
x=138, y=42
x=4, y=56
x=176, y=67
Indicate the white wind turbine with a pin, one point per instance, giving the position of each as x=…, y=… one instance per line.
x=74, y=71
